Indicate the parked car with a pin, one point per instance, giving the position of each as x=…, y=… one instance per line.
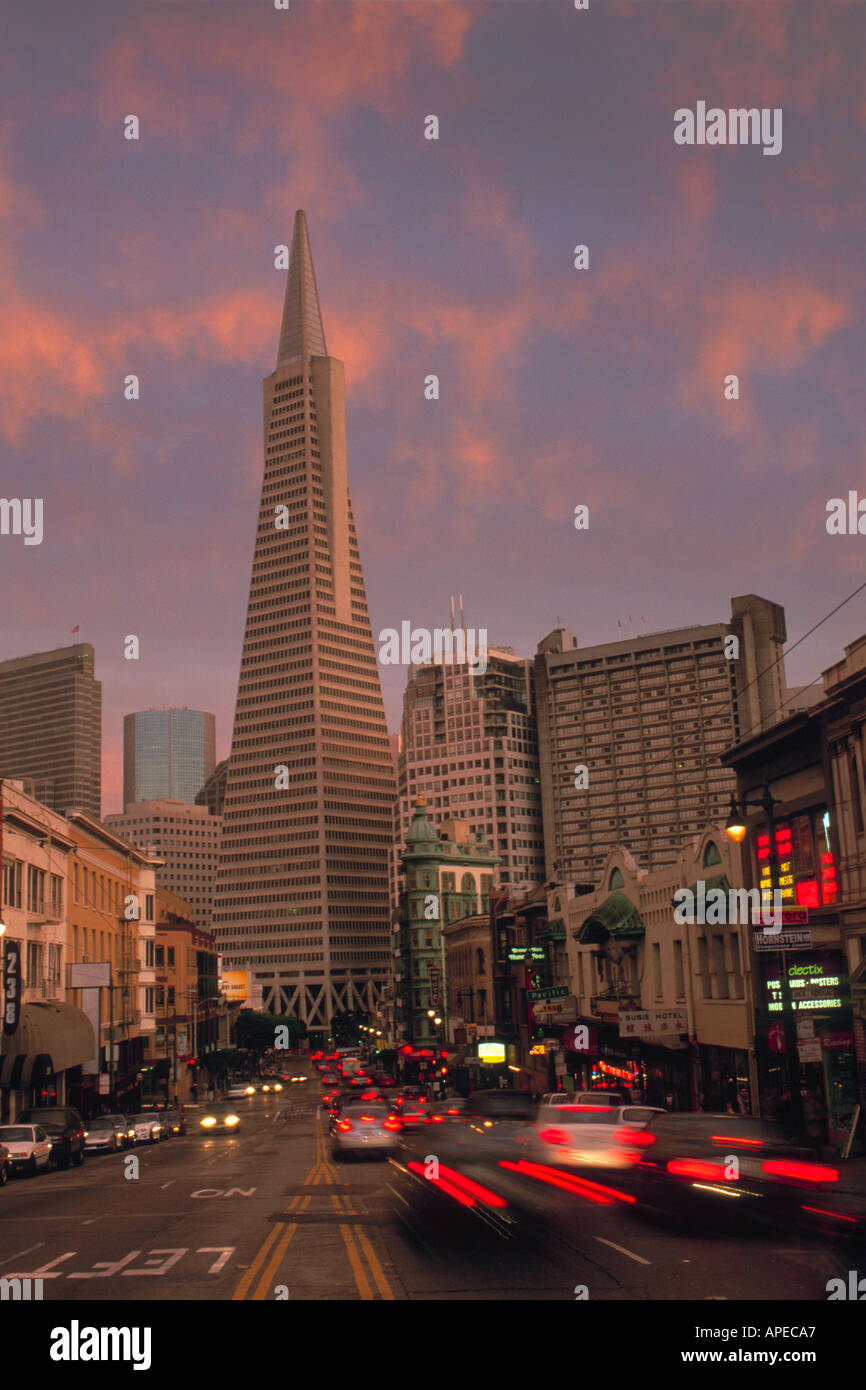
x=5, y=1165
x=27, y=1146
x=64, y=1127
x=147, y=1127
x=219, y=1117
x=106, y=1132
x=366, y=1127
x=578, y=1136
x=174, y=1123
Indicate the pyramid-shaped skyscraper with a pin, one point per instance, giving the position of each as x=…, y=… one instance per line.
x=301, y=897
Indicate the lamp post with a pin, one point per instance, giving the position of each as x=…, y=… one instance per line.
x=736, y=830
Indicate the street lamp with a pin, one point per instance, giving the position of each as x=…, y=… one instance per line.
x=736, y=828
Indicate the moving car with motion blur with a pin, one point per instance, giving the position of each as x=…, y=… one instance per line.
x=442, y=1112
x=271, y=1083
x=365, y=1127
x=174, y=1123
x=219, y=1117
x=588, y=1136
x=64, y=1127
x=720, y=1167
x=239, y=1090
x=28, y=1148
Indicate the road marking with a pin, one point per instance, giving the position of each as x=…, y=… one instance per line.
x=622, y=1250
x=165, y=1185
x=222, y=1250
x=261, y=1255
x=372, y=1260
x=175, y=1252
x=22, y=1252
x=357, y=1268
x=43, y=1272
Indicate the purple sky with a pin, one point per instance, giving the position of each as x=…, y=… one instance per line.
x=558, y=386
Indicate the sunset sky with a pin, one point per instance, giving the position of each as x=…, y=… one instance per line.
x=453, y=257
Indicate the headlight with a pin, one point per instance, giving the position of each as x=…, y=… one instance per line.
x=232, y=1120
x=208, y=1122
x=250, y=1091
x=87, y=1133
x=278, y=1087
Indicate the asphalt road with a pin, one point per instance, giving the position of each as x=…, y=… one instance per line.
x=266, y=1214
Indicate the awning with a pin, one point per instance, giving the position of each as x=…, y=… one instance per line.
x=22, y=1070
x=50, y=1038
x=617, y=917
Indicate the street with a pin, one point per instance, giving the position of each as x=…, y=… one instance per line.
x=266, y=1214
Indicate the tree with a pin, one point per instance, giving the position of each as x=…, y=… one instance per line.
x=258, y=1031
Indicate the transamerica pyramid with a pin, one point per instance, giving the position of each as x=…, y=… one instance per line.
x=301, y=896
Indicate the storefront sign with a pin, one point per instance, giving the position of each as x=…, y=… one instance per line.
x=11, y=986
x=491, y=1052
x=556, y=1010
x=837, y=1042
x=522, y=953
x=812, y=983
x=651, y=1022
x=783, y=941
x=810, y=1051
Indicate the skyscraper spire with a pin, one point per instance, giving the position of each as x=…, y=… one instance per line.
x=302, y=334
x=301, y=896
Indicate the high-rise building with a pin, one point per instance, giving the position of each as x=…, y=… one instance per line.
x=630, y=733
x=213, y=791
x=301, y=897
x=167, y=754
x=51, y=727
x=469, y=747
x=186, y=838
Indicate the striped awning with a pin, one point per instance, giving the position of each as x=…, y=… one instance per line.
x=50, y=1038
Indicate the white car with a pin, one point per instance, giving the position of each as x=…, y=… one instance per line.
x=147, y=1128
x=365, y=1127
x=29, y=1147
x=589, y=1136
x=558, y=1098
x=241, y=1089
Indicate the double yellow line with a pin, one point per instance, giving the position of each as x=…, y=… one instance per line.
x=270, y=1256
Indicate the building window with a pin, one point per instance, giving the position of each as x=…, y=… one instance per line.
x=159, y=953
x=616, y=881
x=35, y=890
x=657, y=969
x=679, y=974
x=711, y=854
